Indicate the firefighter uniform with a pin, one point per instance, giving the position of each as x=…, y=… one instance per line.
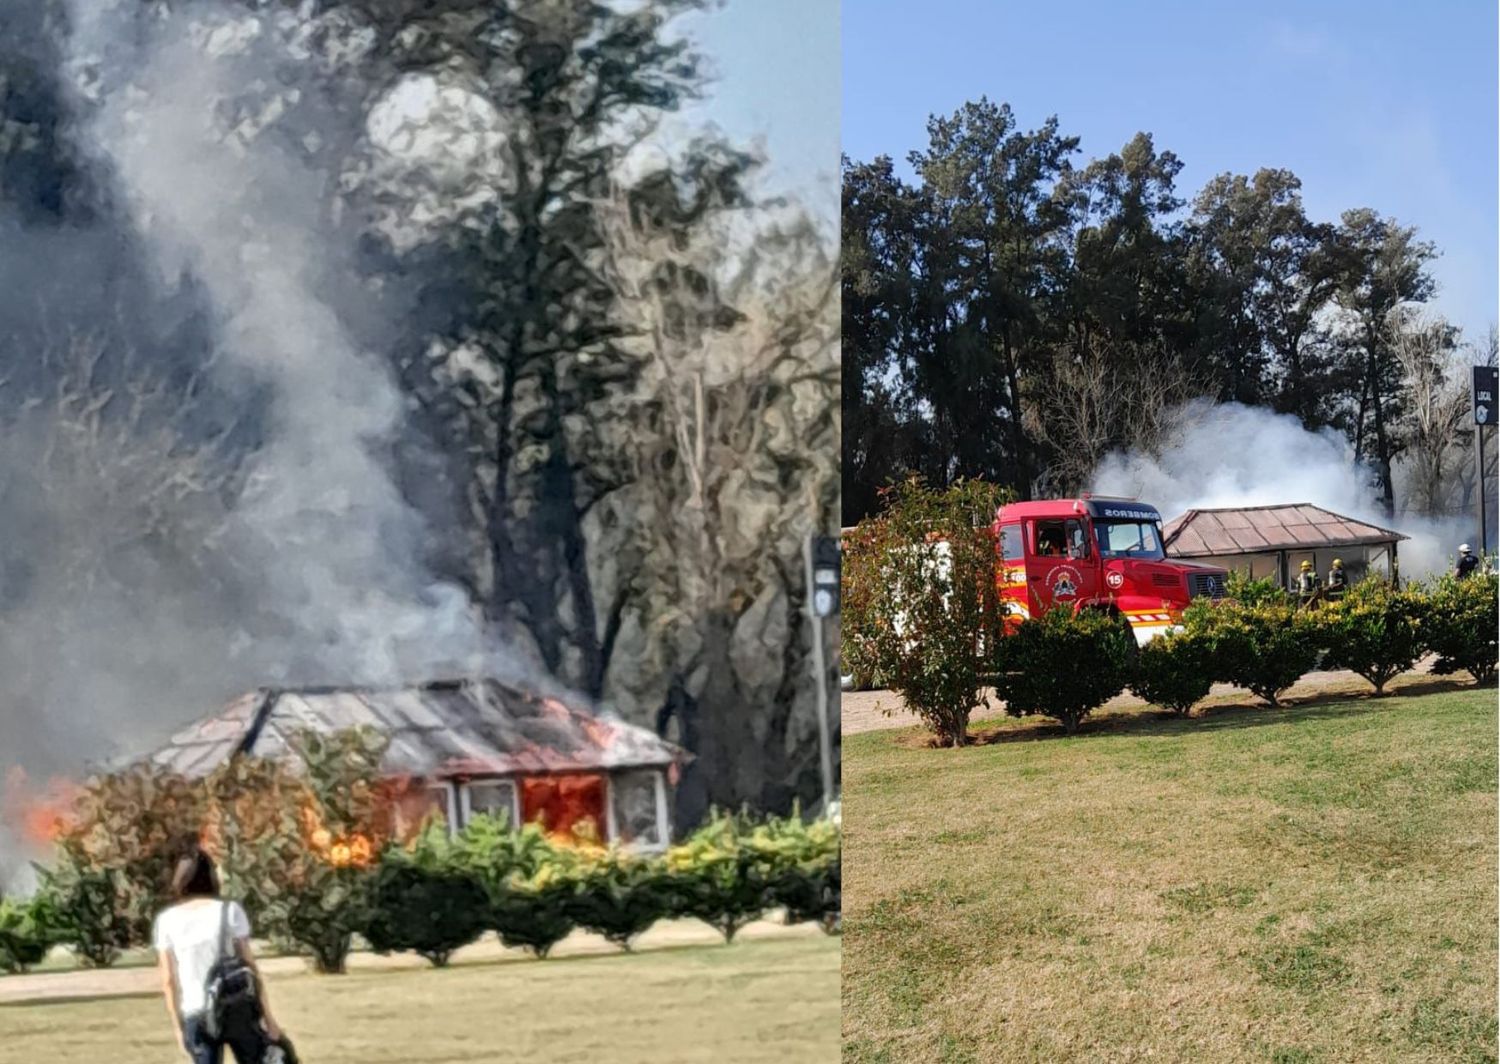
x=1467, y=563
x=1307, y=584
x=1337, y=580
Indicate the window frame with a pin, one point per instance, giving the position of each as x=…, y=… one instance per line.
x=660, y=819
x=1017, y=537
x=466, y=798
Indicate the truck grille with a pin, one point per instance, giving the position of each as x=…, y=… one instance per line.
x=1210, y=584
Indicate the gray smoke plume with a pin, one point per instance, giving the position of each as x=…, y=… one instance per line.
x=231, y=551
x=1226, y=454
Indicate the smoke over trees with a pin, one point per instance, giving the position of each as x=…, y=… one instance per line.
x=1014, y=313
x=368, y=343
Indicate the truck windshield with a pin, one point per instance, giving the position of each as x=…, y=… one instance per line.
x=1128, y=539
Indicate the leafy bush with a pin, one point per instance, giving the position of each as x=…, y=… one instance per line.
x=1264, y=648
x=616, y=895
x=920, y=607
x=1375, y=630
x=804, y=869
x=135, y=823
x=1174, y=671
x=1064, y=665
x=715, y=876
x=91, y=910
x=1246, y=591
x=526, y=879
x=1461, y=626
x=27, y=933
x=430, y=911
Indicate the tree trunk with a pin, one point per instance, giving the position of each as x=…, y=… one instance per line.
x=1018, y=441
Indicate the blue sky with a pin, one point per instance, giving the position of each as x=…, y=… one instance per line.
x=777, y=65
x=1376, y=103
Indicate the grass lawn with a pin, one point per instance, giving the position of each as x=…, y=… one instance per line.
x=751, y=1001
x=1309, y=884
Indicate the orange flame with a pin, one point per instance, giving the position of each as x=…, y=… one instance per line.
x=354, y=851
x=41, y=815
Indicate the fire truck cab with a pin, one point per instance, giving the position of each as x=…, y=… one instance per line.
x=1095, y=553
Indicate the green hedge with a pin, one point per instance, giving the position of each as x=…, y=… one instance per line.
x=1064, y=665
x=439, y=894
x=1263, y=646
x=1174, y=671
x=1461, y=626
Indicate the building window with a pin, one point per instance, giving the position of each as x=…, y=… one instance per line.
x=567, y=807
x=496, y=798
x=637, y=815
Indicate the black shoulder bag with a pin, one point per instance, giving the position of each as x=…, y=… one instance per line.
x=231, y=982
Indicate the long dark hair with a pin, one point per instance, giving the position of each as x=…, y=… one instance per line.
x=195, y=876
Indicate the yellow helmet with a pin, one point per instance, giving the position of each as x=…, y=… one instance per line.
x=1338, y=563
x=1306, y=565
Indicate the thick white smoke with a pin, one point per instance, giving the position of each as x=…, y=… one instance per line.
x=336, y=590
x=1226, y=454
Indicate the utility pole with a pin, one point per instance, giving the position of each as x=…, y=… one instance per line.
x=1486, y=384
x=822, y=555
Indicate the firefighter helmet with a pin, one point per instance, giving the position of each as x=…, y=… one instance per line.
x=1306, y=566
x=1464, y=548
x=1338, y=563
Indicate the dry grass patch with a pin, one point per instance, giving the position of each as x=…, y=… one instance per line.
x=749, y=1002
x=1313, y=883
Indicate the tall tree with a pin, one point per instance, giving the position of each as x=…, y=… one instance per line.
x=1267, y=272
x=882, y=259
x=994, y=258
x=1382, y=267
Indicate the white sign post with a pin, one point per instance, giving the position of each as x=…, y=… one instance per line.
x=822, y=556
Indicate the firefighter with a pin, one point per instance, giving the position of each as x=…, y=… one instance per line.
x=1337, y=581
x=1307, y=584
x=1467, y=563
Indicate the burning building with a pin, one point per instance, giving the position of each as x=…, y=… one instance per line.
x=1273, y=541
x=466, y=748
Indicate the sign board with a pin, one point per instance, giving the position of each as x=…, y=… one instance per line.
x=825, y=576
x=1486, y=380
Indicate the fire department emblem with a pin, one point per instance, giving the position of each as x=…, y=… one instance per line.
x=1115, y=580
x=1064, y=582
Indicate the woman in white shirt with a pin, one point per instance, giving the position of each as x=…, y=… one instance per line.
x=187, y=940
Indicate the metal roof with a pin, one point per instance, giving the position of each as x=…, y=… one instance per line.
x=1256, y=529
x=437, y=730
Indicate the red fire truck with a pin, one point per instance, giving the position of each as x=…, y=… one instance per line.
x=1095, y=553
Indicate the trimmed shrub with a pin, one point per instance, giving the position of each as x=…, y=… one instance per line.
x=1264, y=648
x=532, y=912
x=802, y=868
x=714, y=876
x=526, y=879
x=1375, y=631
x=27, y=934
x=617, y=896
x=421, y=902
x=1174, y=671
x=1064, y=665
x=1461, y=625
x=920, y=607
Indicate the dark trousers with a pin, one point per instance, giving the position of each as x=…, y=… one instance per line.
x=242, y=1034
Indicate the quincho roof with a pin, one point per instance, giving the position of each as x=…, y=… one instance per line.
x=1255, y=529
x=437, y=730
